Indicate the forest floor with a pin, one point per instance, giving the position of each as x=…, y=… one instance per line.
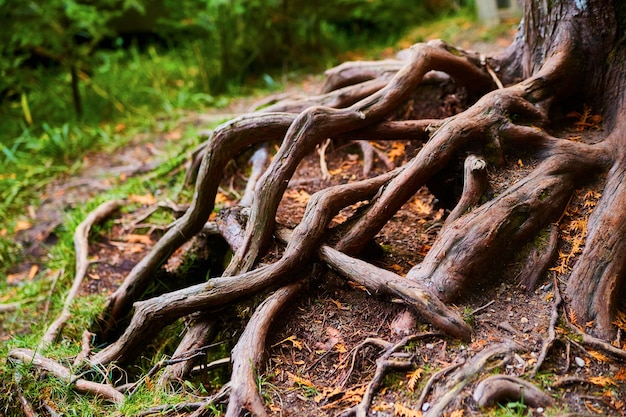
x=318, y=364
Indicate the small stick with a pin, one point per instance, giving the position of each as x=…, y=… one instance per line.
x=322, y=153
x=554, y=316
x=64, y=374
x=81, y=247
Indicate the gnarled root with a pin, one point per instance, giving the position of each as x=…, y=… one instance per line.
x=501, y=388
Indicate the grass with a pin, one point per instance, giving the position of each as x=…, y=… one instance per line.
x=140, y=93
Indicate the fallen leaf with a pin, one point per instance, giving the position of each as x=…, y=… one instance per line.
x=456, y=413
x=598, y=356
x=340, y=347
x=397, y=150
x=294, y=342
x=413, y=376
x=602, y=381
x=403, y=411
x=337, y=303
x=147, y=199
x=144, y=239
x=32, y=272
x=421, y=207
x=297, y=380
x=22, y=225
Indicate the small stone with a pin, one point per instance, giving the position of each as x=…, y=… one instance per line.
x=524, y=320
x=425, y=407
x=539, y=409
x=579, y=361
x=430, y=346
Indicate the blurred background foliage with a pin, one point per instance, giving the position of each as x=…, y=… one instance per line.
x=91, y=61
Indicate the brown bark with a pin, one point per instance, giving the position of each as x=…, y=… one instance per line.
x=567, y=53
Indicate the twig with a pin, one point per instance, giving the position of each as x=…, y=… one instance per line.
x=81, y=246
x=28, y=409
x=86, y=347
x=9, y=307
x=368, y=157
x=482, y=307
x=554, y=316
x=82, y=385
x=383, y=364
x=322, y=153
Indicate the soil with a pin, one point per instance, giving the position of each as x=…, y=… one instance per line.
x=314, y=367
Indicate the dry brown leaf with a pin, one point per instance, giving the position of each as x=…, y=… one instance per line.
x=337, y=303
x=299, y=196
x=340, y=347
x=397, y=150
x=147, y=199
x=590, y=407
x=620, y=320
x=220, y=198
x=32, y=272
x=456, y=413
x=297, y=380
x=403, y=411
x=602, y=381
x=293, y=340
x=22, y=225
x=421, y=207
x=143, y=239
x=573, y=317
x=598, y=356
x=413, y=376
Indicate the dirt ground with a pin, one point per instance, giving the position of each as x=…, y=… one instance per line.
x=317, y=365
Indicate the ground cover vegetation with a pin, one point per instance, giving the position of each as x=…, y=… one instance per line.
x=442, y=176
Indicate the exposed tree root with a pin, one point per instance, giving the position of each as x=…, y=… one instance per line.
x=449, y=393
x=554, y=316
x=360, y=101
x=27, y=356
x=503, y=388
x=81, y=247
x=384, y=363
x=201, y=330
x=248, y=353
x=539, y=261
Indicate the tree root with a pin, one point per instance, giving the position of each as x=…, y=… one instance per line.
x=501, y=388
x=554, y=316
x=466, y=373
x=248, y=353
x=199, y=333
x=81, y=247
x=357, y=103
x=317, y=123
x=474, y=185
x=384, y=363
x=28, y=356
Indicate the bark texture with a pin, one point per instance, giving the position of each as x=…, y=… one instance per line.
x=567, y=53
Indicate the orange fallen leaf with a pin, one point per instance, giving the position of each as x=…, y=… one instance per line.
x=144, y=239
x=32, y=272
x=297, y=380
x=147, y=199
x=22, y=225
x=403, y=411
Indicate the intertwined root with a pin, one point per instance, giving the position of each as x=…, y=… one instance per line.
x=502, y=121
